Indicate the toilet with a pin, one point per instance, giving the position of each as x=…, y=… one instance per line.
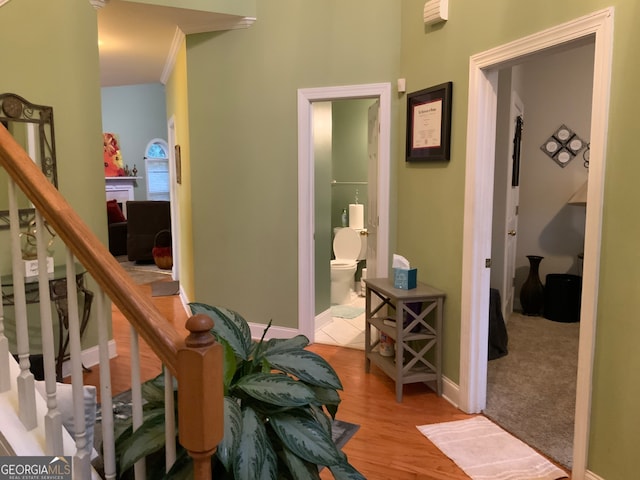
x=348, y=247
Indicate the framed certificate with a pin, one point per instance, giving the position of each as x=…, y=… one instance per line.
x=429, y=123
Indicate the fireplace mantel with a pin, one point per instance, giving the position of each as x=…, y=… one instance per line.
x=121, y=189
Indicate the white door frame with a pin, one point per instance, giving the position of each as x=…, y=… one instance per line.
x=173, y=197
x=481, y=125
x=306, y=221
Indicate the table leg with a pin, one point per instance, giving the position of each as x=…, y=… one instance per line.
x=399, y=349
x=367, y=330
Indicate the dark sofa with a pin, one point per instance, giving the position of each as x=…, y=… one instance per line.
x=145, y=218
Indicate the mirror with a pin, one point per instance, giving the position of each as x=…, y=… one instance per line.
x=32, y=127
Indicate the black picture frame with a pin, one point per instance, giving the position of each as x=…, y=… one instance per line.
x=178, y=158
x=429, y=123
x=517, y=142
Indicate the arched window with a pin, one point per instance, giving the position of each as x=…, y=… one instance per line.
x=157, y=168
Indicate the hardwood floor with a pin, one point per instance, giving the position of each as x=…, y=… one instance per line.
x=388, y=446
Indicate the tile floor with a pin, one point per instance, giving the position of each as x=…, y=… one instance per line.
x=345, y=332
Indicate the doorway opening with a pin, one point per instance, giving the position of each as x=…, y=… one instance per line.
x=378, y=216
x=538, y=235
x=483, y=77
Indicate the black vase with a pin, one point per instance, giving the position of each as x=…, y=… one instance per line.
x=532, y=291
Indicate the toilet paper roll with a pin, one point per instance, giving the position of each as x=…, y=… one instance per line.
x=356, y=215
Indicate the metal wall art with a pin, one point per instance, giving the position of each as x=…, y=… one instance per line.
x=563, y=145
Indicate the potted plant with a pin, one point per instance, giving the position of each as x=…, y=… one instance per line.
x=279, y=403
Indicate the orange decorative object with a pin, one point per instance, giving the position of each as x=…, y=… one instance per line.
x=113, y=165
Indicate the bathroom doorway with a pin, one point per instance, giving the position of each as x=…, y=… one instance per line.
x=315, y=174
x=343, y=142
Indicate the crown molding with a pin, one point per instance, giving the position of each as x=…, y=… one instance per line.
x=178, y=39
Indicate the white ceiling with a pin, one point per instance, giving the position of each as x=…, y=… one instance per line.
x=136, y=39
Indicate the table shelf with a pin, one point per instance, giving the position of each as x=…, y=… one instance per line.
x=412, y=309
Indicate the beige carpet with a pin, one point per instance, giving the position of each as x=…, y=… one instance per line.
x=486, y=452
x=531, y=391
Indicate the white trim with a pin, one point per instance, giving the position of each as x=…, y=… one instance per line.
x=478, y=211
x=323, y=319
x=90, y=357
x=172, y=56
x=257, y=329
x=450, y=391
x=306, y=96
x=230, y=23
x=174, y=198
x=591, y=476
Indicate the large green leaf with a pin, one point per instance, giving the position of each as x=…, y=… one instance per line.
x=344, y=471
x=229, y=325
x=278, y=390
x=232, y=430
x=299, y=469
x=270, y=465
x=229, y=364
x=307, y=366
x=322, y=418
x=306, y=437
x=326, y=396
x=251, y=454
x=279, y=345
x=182, y=468
x=153, y=390
x=144, y=441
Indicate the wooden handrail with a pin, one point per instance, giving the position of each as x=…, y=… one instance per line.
x=89, y=250
x=195, y=361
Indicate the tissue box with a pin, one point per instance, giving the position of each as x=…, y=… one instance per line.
x=405, y=279
x=31, y=267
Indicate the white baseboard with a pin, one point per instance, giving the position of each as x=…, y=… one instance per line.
x=90, y=357
x=591, y=476
x=257, y=329
x=450, y=391
x=323, y=319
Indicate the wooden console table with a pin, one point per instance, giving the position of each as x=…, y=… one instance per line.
x=58, y=295
x=408, y=327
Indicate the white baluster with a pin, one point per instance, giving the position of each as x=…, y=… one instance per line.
x=5, y=379
x=53, y=418
x=106, y=400
x=140, y=468
x=169, y=420
x=25, y=381
x=81, y=460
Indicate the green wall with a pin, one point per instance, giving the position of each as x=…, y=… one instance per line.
x=242, y=86
x=51, y=58
x=243, y=120
x=137, y=114
x=432, y=55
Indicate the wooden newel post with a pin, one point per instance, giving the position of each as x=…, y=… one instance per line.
x=200, y=394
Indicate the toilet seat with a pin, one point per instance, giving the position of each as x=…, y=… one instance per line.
x=347, y=245
x=341, y=264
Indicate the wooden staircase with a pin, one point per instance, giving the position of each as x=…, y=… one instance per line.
x=195, y=361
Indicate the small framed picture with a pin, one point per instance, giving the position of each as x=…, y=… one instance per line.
x=178, y=157
x=429, y=123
